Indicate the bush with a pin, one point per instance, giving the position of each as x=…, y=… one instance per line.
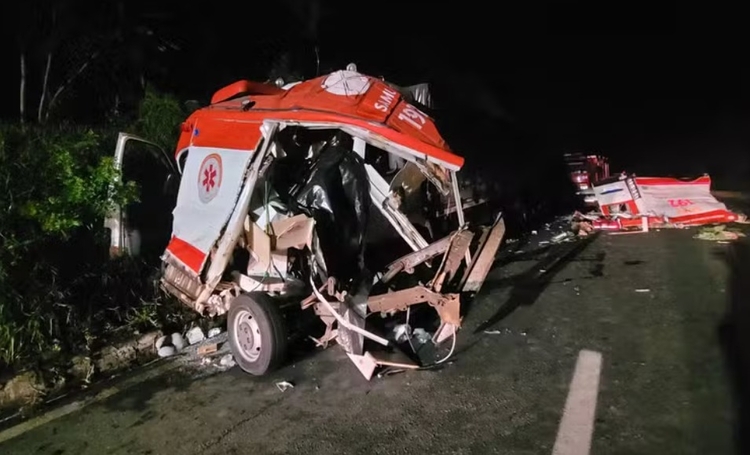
x=59, y=291
x=58, y=185
x=159, y=117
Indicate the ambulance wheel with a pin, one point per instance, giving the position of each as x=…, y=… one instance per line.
x=257, y=333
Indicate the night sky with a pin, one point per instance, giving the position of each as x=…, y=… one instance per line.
x=658, y=87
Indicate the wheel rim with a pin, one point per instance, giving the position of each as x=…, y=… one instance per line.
x=247, y=336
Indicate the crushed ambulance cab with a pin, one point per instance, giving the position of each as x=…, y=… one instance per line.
x=334, y=196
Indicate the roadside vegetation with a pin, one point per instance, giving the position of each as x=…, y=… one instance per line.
x=83, y=72
x=60, y=293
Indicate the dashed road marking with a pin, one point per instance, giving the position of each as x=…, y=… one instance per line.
x=577, y=423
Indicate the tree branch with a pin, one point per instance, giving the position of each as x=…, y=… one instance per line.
x=44, y=87
x=45, y=82
x=69, y=80
x=23, y=86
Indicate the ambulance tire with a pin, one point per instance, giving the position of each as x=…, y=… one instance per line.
x=257, y=333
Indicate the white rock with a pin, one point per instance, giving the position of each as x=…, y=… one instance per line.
x=160, y=342
x=195, y=335
x=227, y=361
x=166, y=351
x=216, y=331
x=178, y=341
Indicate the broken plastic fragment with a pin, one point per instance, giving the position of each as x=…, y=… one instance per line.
x=563, y=236
x=390, y=371
x=284, y=385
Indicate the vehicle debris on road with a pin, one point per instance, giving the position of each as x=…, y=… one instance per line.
x=585, y=172
x=717, y=233
x=207, y=349
x=283, y=386
x=629, y=204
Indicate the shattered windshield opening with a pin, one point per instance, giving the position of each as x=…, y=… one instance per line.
x=317, y=173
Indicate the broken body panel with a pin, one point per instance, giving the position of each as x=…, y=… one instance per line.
x=662, y=201
x=275, y=195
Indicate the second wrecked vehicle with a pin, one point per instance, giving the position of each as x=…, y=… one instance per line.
x=329, y=196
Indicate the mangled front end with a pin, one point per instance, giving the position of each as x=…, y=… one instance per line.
x=329, y=216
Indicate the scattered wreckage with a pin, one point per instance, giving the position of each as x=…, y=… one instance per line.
x=630, y=205
x=335, y=195
x=585, y=172
x=630, y=202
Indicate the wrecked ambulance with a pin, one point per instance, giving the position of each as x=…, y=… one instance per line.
x=335, y=195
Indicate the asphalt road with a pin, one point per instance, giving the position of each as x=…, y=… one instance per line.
x=665, y=387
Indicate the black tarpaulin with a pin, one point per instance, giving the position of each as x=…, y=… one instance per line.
x=335, y=194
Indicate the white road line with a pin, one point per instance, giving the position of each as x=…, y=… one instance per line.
x=577, y=423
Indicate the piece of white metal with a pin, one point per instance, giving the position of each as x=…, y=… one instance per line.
x=342, y=321
x=379, y=190
x=366, y=364
x=443, y=332
x=459, y=209
x=359, y=147
x=457, y=199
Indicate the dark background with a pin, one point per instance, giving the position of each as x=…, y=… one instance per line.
x=661, y=88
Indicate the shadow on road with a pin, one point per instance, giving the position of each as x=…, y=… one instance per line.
x=734, y=335
x=529, y=285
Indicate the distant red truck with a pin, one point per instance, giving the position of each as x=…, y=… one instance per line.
x=585, y=171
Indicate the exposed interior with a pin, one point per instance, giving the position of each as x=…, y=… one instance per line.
x=317, y=174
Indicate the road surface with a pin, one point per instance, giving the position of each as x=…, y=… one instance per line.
x=650, y=304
